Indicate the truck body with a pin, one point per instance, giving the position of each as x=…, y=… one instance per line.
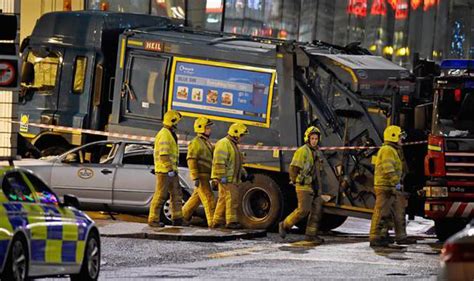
x=449, y=163
x=67, y=74
x=277, y=88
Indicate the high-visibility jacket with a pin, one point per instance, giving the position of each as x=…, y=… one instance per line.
x=166, y=151
x=227, y=161
x=200, y=156
x=306, y=159
x=388, y=168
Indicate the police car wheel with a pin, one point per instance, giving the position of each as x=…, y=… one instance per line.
x=91, y=264
x=17, y=263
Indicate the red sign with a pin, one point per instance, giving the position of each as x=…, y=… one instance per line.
x=415, y=4
x=357, y=8
x=378, y=8
x=401, y=12
x=153, y=46
x=7, y=73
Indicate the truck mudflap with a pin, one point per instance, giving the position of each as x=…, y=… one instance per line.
x=437, y=210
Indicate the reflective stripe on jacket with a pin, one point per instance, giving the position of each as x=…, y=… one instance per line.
x=388, y=168
x=304, y=158
x=227, y=161
x=200, y=156
x=165, y=145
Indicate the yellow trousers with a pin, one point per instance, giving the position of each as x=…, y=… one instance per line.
x=389, y=205
x=309, y=204
x=227, y=204
x=166, y=185
x=201, y=194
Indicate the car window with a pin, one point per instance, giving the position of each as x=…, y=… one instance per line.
x=16, y=189
x=93, y=154
x=138, y=159
x=43, y=192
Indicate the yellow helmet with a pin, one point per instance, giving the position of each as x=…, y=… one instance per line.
x=311, y=130
x=237, y=130
x=393, y=133
x=200, y=125
x=171, y=118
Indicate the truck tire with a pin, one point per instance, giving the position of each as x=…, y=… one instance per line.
x=444, y=228
x=261, y=206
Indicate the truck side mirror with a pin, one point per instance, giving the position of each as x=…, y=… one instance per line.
x=28, y=73
x=24, y=44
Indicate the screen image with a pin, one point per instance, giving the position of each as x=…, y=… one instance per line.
x=222, y=91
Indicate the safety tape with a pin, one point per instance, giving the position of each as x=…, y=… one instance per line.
x=185, y=142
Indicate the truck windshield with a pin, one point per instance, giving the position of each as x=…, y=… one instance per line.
x=45, y=71
x=453, y=113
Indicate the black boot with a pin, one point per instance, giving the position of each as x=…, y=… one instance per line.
x=379, y=243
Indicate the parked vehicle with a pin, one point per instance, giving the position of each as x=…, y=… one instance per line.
x=449, y=163
x=42, y=236
x=106, y=175
x=457, y=256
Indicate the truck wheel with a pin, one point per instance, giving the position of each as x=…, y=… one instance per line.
x=444, y=228
x=53, y=150
x=261, y=203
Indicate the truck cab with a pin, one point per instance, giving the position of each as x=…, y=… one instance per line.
x=68, y=72
x=449, y=163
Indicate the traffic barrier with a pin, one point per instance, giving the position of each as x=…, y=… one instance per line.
x=185, y=142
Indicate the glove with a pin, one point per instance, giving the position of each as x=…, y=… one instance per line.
x=171, y=174
x=398, y=186
x=224, y=180
x=196, y=182
x=214, y=185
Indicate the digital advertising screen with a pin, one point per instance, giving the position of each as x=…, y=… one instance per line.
x=221, y=91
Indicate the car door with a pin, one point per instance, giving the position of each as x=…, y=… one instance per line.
x=86, y=173
x=136, y=190
x=65, y=236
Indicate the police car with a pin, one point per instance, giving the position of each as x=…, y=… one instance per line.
x=41, y=236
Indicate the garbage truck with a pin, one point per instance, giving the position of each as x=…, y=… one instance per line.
x=278, y=89
x=121, y=78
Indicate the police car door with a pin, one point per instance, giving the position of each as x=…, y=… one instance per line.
x=86, y=173
x=64, y=236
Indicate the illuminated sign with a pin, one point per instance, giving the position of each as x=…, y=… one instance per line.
x=153, y=46
x=222, y=91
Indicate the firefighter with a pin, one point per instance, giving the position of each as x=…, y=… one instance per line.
x=166, y=156
x=389, y=202
x=305, y=174
x=199, y=160
x=227, y=173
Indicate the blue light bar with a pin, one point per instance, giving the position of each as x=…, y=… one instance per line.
x=457, y=64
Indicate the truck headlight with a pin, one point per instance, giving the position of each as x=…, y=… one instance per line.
x=436, y=191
